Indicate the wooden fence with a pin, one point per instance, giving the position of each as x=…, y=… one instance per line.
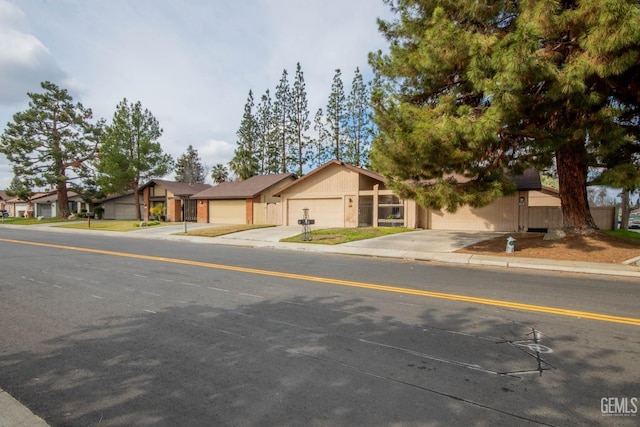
x=548, y=217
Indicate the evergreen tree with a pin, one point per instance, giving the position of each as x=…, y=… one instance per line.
x=359, y=127
x=130, y=152
x=51, y=142
x=282, y=115
x=321, y=144
x=336, y=116
x=189, y=167
x=267, y=136
x=299, y=122
x=245, y=160
x=486, y=89
x=20, y=189
x=219, y=173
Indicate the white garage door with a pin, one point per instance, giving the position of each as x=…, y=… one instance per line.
x=125, y=211
x=227, y=211
x=501, y=215
x=326, y=212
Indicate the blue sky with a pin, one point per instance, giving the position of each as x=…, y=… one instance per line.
x=190, y=62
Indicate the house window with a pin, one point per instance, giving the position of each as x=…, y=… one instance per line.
x=390, y=211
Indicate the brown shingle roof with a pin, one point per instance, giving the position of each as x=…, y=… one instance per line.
x=178, y=188
x=242, y=189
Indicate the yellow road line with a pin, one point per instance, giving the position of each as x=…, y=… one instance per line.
x=407, y=291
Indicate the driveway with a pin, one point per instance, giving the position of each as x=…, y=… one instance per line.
x=427, y=240
x=423, y=240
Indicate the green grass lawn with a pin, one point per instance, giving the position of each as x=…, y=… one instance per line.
x=628, y=236
x=336, y=236
x=30, y=221
x=112, y=225
x=221, y=231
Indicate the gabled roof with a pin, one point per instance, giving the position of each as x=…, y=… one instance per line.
x=357, y=169
x=178, y=188
x=51, y=197
x=3, y=195
x=113, y=197
x=243, y=189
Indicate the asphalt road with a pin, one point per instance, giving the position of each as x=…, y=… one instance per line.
x=112, y=332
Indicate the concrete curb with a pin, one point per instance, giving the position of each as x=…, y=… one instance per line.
x=15, y=414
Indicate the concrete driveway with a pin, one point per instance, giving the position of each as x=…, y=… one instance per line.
x=422, y=240
x=427, y=240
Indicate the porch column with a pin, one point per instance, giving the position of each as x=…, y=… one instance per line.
x=376, y=189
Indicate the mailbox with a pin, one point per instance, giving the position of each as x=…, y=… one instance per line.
x=306, y=221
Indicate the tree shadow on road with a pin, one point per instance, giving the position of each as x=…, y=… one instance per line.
x=317, y=361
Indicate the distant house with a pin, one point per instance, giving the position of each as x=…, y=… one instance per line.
x=175, y=198
x=252, y=201
x=118, y=206
x=46, y=205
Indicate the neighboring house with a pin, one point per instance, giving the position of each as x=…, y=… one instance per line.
x=46, y=205
x=175, y=198
x=252, y=201
x=118, y=206
x=341, y=195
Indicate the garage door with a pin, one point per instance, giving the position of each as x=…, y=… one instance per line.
x=501, y=215
x=125, y=211
x=44, y=210
x=326, y=212
x=227, y=211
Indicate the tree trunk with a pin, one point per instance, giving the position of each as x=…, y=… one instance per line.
x=625, y=210
x=63, y=199
x=136, y=200
x=572, y=180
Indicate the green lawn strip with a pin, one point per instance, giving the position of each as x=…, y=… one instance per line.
x=113, y=225
x=336, y=236
x=221, y=231
x=31, y=221
x=628, y=236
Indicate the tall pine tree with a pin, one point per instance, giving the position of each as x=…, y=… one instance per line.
x=486, y=89
x=282, y=115
x=359, y=124
x=299, y=122
x=336, y=116
x=51, y=143
x=244, y=163
x=130, y=152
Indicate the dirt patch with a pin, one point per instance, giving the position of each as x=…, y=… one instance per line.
x=597, y=248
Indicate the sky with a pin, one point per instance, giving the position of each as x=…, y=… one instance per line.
x=190, y=62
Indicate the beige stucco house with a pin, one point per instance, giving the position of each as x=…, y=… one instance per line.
x=341, y=195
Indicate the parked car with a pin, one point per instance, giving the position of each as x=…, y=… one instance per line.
x=4, y=212
x=634, y=225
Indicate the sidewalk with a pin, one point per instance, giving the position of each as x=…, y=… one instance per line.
x=418, y=245
x=14, y=414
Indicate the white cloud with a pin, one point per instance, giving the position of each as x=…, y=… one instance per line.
x=191, y=64
x=24, y=59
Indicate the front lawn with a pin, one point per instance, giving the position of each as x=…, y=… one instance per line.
x=336, y=236
x=226, y=229
x=113, y=225
x=31, y=221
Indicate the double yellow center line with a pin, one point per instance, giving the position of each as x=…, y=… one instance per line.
x=400, y=290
